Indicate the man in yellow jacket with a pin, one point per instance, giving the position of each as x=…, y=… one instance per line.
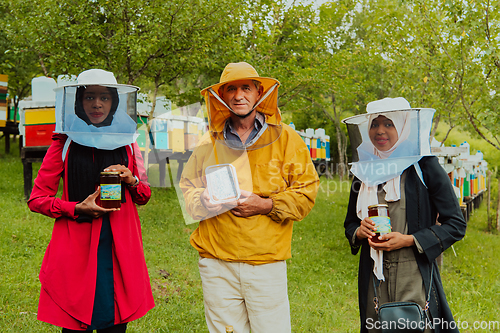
x=245, y=230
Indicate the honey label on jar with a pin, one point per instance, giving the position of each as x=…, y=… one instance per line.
x=382, y=223
x=111, y=192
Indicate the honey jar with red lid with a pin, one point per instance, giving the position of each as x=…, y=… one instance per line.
x=379, y=214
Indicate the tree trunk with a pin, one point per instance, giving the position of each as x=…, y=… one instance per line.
x=42, y=65
x=435, y=124
x=341, y=142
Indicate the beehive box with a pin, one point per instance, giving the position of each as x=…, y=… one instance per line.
x=191, y=132
x=159, y=129
x=3, y=100
x=142, y=121
x=175, y=127
x=37, y=123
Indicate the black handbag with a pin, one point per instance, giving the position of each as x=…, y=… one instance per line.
x=399, y=317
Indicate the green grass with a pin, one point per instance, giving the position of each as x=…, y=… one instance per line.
x=322, y=273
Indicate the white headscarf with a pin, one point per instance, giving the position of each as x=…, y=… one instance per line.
x=400, y=120
x=368, y=194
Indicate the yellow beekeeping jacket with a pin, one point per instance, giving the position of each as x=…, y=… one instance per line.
x=282, y=171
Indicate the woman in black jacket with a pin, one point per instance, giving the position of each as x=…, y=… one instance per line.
x=417, y=194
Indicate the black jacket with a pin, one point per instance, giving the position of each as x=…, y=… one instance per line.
x=422, y=208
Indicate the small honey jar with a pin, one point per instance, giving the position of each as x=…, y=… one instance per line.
x=111, y=189
x=379, y=214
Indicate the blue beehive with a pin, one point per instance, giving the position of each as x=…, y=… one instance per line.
x=160, y=134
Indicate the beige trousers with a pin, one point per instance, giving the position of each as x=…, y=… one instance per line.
x=247, y=297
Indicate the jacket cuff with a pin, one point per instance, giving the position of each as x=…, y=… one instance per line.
x=355, y=242
x=68, y=209
x=273, y=214
x=417, y=244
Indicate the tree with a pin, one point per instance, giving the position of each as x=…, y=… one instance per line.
x=442, y=54
x=16, y=60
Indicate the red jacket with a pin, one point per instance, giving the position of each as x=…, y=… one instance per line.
x=69, y=267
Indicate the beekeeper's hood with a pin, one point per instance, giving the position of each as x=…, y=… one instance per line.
x=374, y=166
x=119, y=128
x=218, y=111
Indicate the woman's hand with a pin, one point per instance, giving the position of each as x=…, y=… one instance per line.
x=366, y=229
x=125, y=174
x=392, y=241
x=90, y=208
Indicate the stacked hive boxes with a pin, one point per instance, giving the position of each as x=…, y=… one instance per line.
x=317, y=142
x=192, y=132
x=175, y=127
x=474, y=180
x=311, y=142
x=3, y=100
x=142, y=122
x=177, y=133
x=159, y=128
x=466, y=172
x=163, y=106
x=38, y=118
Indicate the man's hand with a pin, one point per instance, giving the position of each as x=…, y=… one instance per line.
x=90, y=208
x=392, y=241
x=250, y=204
x=211, y=207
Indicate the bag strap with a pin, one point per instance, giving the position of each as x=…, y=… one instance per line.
x=375, y=286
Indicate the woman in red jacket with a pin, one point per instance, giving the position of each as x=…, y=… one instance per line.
x=93, y=275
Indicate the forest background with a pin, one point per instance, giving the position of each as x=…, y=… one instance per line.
x=331, y=58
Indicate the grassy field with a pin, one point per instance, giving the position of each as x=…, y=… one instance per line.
x=322, y=273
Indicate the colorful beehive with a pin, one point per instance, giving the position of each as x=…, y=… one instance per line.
x=191, y=132
x=309, y=141
x=321, y=143
x=327, y=147
x=38, y=122
x=4, y=116
x=176, y=133
x=141, y=139
x=159, y=128
x=317, y=142
x=37, y=117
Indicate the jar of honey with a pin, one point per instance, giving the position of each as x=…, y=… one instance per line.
x=379, y=214
x=111, y=189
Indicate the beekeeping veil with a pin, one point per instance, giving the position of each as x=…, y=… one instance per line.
x=117, y=130
x=218, y=111
x=413, y=125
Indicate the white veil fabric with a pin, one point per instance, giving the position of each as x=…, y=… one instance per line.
x=123, y=128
